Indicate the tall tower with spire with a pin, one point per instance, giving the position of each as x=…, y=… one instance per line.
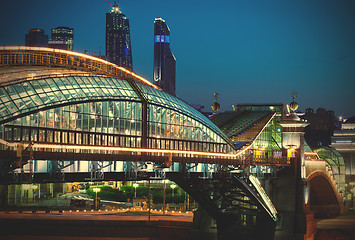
x=118, y=39
x=164, y=60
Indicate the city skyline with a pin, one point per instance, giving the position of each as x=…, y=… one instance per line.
x=248, y=52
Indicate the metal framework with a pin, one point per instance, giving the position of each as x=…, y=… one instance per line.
x=20, y=55
x=79, y=115
x=233, y=201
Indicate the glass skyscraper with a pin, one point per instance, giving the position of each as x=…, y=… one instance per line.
x=164, y=60
x=118, y=40
x=62, y=38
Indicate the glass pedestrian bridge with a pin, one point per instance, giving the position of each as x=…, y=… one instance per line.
x=63, y=112
x=70, y=106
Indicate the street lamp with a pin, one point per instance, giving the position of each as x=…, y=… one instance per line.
x=34, y=187
x=26, y=187
x=173, y=186
x=135, y=185
x=164, y=208
x=96, y=190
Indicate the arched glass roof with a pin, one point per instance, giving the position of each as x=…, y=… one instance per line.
x=45, y=89
x=332, y=156
x=23, y=98
x=157, y=97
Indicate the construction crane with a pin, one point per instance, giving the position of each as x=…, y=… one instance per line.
x=109, y=2
x=115, y=3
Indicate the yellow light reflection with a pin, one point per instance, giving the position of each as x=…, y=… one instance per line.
x=15, y=48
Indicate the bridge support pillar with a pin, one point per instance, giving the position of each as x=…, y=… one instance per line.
x=288, y=200
x=288, y=189
x=3, y=196
x=205, y=224
x=229, y=229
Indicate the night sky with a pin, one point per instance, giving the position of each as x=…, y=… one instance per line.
x=250, y=51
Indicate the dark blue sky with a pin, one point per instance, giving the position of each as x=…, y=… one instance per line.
x=250, y=51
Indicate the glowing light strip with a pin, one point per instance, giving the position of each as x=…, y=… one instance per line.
x=123, y=149
x=263, y=195
x=311, y=153
x=263, y=128
x=3, y=142
x=10, y=48
x=344, y=149
x=244, y=150
x=247, y=148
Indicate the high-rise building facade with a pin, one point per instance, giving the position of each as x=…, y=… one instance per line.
x=164, y=60
x=118, y=39
x=36, y=38
x=62, y=38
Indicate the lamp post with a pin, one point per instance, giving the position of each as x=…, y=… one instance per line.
x=34, y=187
x=135, y=185
x=96, y=190
x=164, y=208
x=173, y=186
x=25, y=187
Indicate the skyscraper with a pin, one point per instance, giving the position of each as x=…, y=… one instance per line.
x=36, y=38
x=164, y=60
x=118, y=40
x=62, y=38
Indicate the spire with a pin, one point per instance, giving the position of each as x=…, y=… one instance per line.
x=115, y=7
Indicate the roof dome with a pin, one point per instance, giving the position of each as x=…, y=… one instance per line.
x=293, y=106
x=215, y=106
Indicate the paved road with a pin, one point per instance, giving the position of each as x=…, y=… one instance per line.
x=103, y=215
x=103, y=225
x=68, y=238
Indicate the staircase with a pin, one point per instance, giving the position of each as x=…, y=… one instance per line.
x=236, y=206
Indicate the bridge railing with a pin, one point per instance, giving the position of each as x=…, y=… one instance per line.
x=59, y=144
x=330, y=174
x=17, y=133
x=275, y=161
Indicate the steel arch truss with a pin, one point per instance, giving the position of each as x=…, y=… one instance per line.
x=233, y=202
